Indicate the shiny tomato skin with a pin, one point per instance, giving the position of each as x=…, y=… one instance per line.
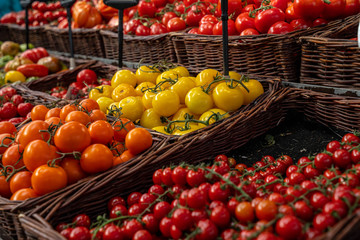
x=280, y=27
x=308, y=9
x=264, y=20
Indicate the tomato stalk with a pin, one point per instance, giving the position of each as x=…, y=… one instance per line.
x=116, y=112
x=7, y=145
x=9, y=171
x=219, y=78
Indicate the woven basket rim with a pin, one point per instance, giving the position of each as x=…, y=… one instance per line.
x=110, y=33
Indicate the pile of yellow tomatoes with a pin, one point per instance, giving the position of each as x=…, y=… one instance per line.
x=173, y=102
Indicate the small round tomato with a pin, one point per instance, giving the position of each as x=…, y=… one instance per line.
x=308, y=9
x=37, y=153
x=101, y=132
x=244, y=212
x=39, y=112
x=20, y=180
x=249, y=31
x=138, y=140
x=88, y=105
x=121, y=128
x=266, y=210
x=243, y=21
x=72, y=136
x=198, y=101
x=13, y=156
x=167, y=16
x=280, y=27
x=217, y=29
x=78, y=116
x=96, y=158
x=47, y=179
x=166, y=103
x=73, y=170
x=87, y=76
x=175, y=24
x=158, y=28
x=23, y=194
x=255, y=90
x=228, y=98
x=288, y=227
x=265, y=19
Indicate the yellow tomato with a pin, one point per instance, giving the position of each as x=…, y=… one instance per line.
x=147, y=99
x=166, y=103
x=114, y=110
x=143, y=86
x=234, y=75
x=151, y=119
x=131, y=108
x=180, y=114
x=165, y=78
x=123, y=76
x=198, y=101
x=101, y=91
x=160, y=129
x=181, y=71
x=14, y=76
x=205, y=77
x=182, y=87
x=122, y=91
x=192, y=129
x=228, y=98
x=255, y=90
x=104, y=103
x=147, y=74
x=206, y=115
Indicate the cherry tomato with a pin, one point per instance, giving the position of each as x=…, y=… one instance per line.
x=308, y=9
x=264, y=20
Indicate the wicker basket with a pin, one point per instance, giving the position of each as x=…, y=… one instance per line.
x=65, y=78
x=37, y=35
x=4, y=32
x=331, y=59
x=86, y=41
x=268, y=55
x=149, y=49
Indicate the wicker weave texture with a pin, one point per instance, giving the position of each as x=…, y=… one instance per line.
x=37, y=35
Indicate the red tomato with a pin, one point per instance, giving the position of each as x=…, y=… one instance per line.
x=234, y=7
x=206, y=28
x=217, y=29
x=176, y=24
x=299, y=24
x=194, y=31
x=243, y=21
x=309, y=9
x=142, y=30
x=352, y=7
x=86, y=76
x=167, y=16
x=264, y=20
x=334, y=10
x=131, y=26
x=288, y=227
x=319, y=21
x=281, y=4
x=209, y=19
x=146, y=9
x=280, y=28
x=158, y=28
x=248, y=8
x=249, y=31
x=193, y=17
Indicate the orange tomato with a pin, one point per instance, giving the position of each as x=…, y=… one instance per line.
x=54, y=112
x=88, y=105
x=66, y=110
x=53, y=121
x=97, y=115
x=85, y=15
x=101, y=132
x=47, y=179
x=4, y=187
x=23, y=194
x=96, y=158
x=39, y=112
x=73, y=170
x=7, y=127
x=72, y=136
x=78, y=116
x=5, y=139
x=121, y=128
x=266, y=210
x=138, y=140
x=13, y=156
x=20, y=180
x=38, y=153
x=124, y=157
x=32, y=132
x=117, y=148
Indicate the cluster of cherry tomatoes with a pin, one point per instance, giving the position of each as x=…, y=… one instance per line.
x=250, y=17
x=39, y=14
x=60, y=146
x=86, y=80
x=13, y=108
x=273, y=199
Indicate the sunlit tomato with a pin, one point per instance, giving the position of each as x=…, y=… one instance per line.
x=166, y=103
x=264, y=20
x=122, y=91
x=96, y=158
x=101, y=132
x=308, y=9
x=146, y=9
x=121, y=128
x=33, y=131
x=244, y=21
x=167, y=16
x=72, y=136
x=205, y=77
x=175, y=24
x=88, y=105
x=78, y=116
x=7, y=127
x=23, y=194
x=150, y=119
x=255, y=90
x=142, y=30
x=198, y=101
x=299, y=24
x=249, y=31
x=228, y=98
x=288, y=226
x=101, y=91
x=138, y=140
x=13, y=156
x=244, y=212
x=20, y=180
x=97, y=115
x=266, y=210
x=131, y=26
x=147, y=74
x=194, y=31
x=280, y=27
x=281, y=4
x=66, y=110
x=73, y=170
x=87, y=76
x=47, y=179
x=37, y=153
x=158, y=28
x=39, y=112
